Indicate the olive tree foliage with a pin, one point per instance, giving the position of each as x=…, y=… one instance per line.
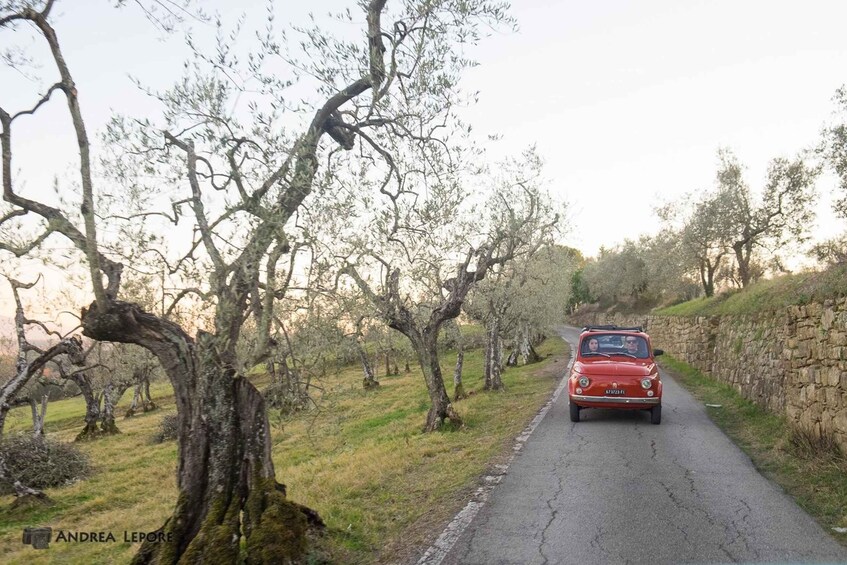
x=541, y=295
x=652, y=271
x=671, y=279
x=834, y=150
x=542, y=300
x=310, y=347
x=729, y=234
x=618, y=275
x=505, y=301
x=225, y=169
x=698, y=230
x=762, y=225
x=419, y=257
x=579, y=293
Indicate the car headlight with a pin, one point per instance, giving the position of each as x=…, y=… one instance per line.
x=646, y=383
x=583, y=382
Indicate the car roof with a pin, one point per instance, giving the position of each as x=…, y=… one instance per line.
x=619, y=330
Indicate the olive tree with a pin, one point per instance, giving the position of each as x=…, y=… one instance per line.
x=834, y=147
x=618, y=275
x=781, y=215
x=228, y=164
x=418, y=267
x=521, y=302
x=706, y=238
x=31, y=360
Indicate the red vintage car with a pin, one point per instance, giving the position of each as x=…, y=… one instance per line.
x=615, y=367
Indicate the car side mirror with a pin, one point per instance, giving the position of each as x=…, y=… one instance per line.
x=657, y=352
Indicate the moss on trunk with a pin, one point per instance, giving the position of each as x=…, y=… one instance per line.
x=275, y=528
x=89, y=432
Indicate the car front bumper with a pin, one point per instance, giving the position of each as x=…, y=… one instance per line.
x=619, y=400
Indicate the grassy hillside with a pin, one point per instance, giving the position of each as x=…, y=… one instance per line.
x=360, y=460
x=770, y=294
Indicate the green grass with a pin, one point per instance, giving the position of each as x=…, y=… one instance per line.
x=812, y=471
x=360, y=459
x=768, y=295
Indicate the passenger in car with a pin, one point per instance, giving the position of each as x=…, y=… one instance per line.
x=593, y=345
x=636, y=346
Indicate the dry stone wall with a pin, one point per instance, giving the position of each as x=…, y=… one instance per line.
x=792, y=361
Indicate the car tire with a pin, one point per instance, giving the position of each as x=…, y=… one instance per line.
x=574, y=412
x=656, y=414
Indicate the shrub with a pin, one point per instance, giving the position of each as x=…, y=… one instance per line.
x=42, y=462
x=807, y=443
x=167, y=429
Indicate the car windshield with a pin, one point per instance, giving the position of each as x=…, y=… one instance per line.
x=615, y=344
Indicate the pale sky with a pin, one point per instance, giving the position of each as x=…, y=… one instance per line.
x=627, y=100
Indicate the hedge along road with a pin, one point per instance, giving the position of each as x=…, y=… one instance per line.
x=614, y=488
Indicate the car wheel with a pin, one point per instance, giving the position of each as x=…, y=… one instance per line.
x=656, y=414
x=574, y=412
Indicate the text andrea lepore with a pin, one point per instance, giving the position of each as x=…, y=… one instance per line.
x=104, y=537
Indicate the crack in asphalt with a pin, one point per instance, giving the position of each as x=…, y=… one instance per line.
x=553, y=513
x=595, y=542
x=740, y=532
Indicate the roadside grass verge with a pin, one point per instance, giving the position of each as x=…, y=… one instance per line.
x=382, y=486
x=811, y=470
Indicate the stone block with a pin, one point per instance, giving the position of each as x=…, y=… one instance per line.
x=827, y=318
x=833, y=376
x=831, y=397
x=839, y=421
x=838, y=338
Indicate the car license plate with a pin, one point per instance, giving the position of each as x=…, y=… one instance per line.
x=614, y=391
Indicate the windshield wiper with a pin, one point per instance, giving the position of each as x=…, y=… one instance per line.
x=595, y=353
x=625, y=353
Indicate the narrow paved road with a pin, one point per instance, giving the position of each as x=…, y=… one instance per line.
x=615, y=489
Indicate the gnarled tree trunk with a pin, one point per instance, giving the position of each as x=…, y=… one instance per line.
x=141, y=399
x=528, y=352
x=458, y=387
x=226, y=483
x=441, y=409
x=512, y=359
x=493, y=366
x=112, y=394
x=92, y=406
x=38, y=418
x=369, y=380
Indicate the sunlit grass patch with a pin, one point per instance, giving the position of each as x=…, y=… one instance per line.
x=812, y=471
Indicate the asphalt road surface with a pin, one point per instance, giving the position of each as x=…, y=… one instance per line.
x=615, y=489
